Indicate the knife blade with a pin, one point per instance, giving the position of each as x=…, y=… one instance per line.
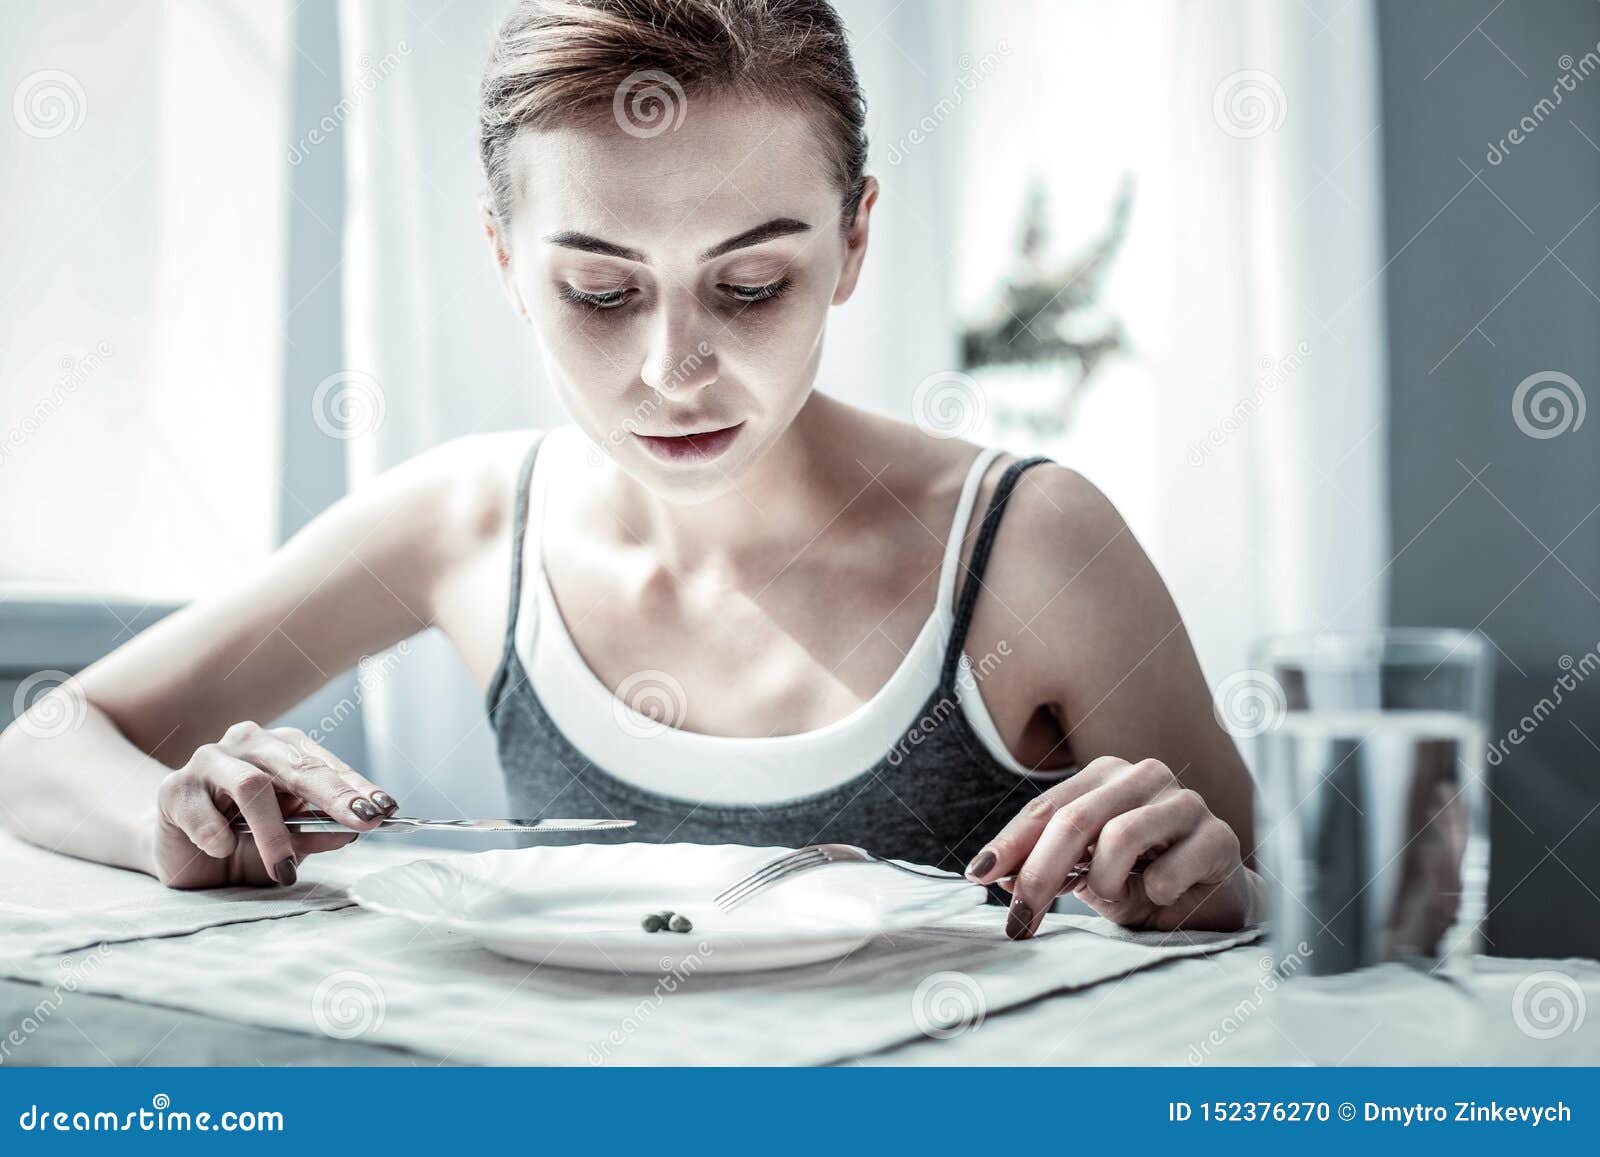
x=402, y=824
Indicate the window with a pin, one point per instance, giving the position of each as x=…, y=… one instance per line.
x=142, y=299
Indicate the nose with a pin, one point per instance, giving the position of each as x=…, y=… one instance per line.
x=681, y=359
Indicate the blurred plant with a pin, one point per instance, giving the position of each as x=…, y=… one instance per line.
x=1046, y=314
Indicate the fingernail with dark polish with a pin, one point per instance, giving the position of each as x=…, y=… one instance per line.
x=385, y=802
x=982, y=864
x=1019, y=920
x=284, y=872
x=364, y=809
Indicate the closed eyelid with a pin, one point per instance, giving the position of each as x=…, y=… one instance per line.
x=597, y=286
x=755, y=276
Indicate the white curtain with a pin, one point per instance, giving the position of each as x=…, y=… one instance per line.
x=1241, y=434
x=426, y=321
x=1274, y=373
x=142, y=294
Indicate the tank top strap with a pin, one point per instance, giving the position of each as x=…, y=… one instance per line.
x=976, y=566
x=519, y=533
x=951, y=566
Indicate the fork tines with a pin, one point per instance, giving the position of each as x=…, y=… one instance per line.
x=765, y=877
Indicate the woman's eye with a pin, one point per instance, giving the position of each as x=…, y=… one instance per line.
x=608, y=300
x=753, y=293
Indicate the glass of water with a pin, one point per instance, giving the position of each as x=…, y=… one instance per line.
x=1374, y=835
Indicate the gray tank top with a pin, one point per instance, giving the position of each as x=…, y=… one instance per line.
x=934, y=798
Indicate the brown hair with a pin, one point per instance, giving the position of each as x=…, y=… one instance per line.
x=555, y=61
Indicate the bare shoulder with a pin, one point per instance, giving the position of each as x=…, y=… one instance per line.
x=1066, y=579
x=453, y=499
x=426, y=526
x=1055, y=518
x=469, y=487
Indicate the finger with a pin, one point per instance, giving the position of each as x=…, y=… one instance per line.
x=310, y=843
x=1067, y=836
x=1154, y=827
x=1131, y=910
x=254, y=870
x=1204, y=857
x=185, y=802
x=308, y=772
x=1002, y=855
x=313, y=754
x=254, y=792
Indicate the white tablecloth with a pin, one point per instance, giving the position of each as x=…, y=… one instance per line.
x=51, y=903
x=298, y=959
x=1084, y=992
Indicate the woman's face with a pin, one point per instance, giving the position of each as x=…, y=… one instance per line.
x=679, y=284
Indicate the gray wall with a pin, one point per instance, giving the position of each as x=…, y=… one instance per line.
x=1494, y=277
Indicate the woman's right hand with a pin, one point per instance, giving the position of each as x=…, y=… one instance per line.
x=263, y=774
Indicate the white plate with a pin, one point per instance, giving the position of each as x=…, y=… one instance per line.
x=581, y=905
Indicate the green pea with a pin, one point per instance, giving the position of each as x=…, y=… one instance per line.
x=679, y=923
x=653, y=923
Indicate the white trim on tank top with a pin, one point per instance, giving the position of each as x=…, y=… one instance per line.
x=720, y=769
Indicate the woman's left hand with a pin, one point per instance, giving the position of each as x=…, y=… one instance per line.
x=1122, y=812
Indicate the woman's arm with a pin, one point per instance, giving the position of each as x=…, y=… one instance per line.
x=1105, y=651
x=167, y=739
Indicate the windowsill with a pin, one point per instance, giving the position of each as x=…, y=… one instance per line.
x=64, y=629
x=59, y=594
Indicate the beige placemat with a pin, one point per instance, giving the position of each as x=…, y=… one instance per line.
x=53, y=903
x=354, y=974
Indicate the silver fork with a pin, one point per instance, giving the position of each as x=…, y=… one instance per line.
x=820, y=855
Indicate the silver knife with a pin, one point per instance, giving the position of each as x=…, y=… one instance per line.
x=408, y=824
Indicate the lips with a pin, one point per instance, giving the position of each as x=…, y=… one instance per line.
x=700, y=446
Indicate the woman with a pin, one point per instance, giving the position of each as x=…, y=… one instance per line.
x=737, y=609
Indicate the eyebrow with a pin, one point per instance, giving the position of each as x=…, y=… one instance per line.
x=777, y=227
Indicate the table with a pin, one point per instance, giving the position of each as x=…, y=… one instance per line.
x=1222, y=1009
